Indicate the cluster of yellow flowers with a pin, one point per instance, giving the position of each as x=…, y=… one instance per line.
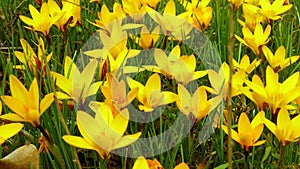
x=273, y=97
x=105, y=131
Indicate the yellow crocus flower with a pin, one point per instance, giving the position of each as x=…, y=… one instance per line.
x=251, y=16
x=77, y=86
x=255, y=40
x=115, y=93
x=41, y=21
x=219, y=81
x=181, y=68
x=197, y=105
x=29, y=57
x=286, y=130
x=278, y=60
x=248, y=133
x=103, y=133
x=147, y=39
x=70, y=10
x=151, y=95
x=172, y=25
x=201, y=14
x=105, y=16
x=271, y=11
x=246, y=65
x=274, y=95
x=25, y=104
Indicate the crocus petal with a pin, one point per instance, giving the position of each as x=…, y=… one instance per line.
x=15, y=105
x=63, y=83
x=169, y=97
x=33, y=95
x=13, y=117
x=17, y=89
x=126, y=140
x=244, y=124
x=78, y=142
x=46, y=102
x=140, y=163
x=170, y=8
x=9, y=130
x=182, y=166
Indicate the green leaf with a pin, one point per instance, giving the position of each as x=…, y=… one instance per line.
x=266, y=155
x=222, y=166
x=56, y=153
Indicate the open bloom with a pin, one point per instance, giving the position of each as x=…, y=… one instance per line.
x=278, y=60
x=29, y=57
x=8, y=130
x=219, y=81
x=181, y=68
x=103, y=133
x=286, y=130
x=171, y=24
x=251, y=16
x=248, y=133
x=274, y=95
x=255, y=40
x=77, y=86
x=201, y=14
x=70, y=10
x=147, y=39
x=197, y=105
x=105, y=16
x=41, y=21
x=115, y=94
x=134, y=8
x=271, y=11
x=25, y=104
x=151, y=95
x=246, y=65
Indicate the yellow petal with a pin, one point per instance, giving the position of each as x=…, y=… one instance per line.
x=63, y=83
x=46, y=102
x=33, y=117
x=9, y=130
x=256, y=132
x=199, y=74
x=135, y=84
x=140, y=163
x=283, y=120
x=145, y=108
x=13, y=117
x=170, y=8
x=244, y=126
x=27, y=20
x=119, y=124
x=126, y=140
x=272, y=127
x=169, y=97
x=182, y=166
x=234, y=134
x=78, y=142
x=17, y=89
x=259, y=143
x=33, y=95
x=15, y=105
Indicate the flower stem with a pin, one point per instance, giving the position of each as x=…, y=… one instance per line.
x=282, y=148
x=229, y=96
